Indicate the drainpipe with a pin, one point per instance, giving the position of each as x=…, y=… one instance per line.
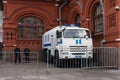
x=60, y=12
x=103, y=41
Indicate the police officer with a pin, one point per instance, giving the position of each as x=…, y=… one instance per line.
x=26, y=52
x=1, y=47
x=17, y=54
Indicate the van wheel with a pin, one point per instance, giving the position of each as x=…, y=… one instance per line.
x=49, y=57
x=87, y=62
x=57, y=61
x=45, y=55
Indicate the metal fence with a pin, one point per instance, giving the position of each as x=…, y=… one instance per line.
x=9, y=57
x=102, y=57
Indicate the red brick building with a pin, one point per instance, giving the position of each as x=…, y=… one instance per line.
x=25, y=21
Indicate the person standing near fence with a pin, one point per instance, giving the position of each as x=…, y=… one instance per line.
x=1, y=47
x=26, y=52
x=17, y=54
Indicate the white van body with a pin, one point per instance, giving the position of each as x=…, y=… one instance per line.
x=74, y=42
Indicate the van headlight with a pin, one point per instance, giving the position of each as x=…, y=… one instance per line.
x=90, y=52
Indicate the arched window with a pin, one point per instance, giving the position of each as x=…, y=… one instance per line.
x=77, y=19
x=98, y=19
x=30, y=27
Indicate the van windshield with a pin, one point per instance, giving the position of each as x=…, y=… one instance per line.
x=76, y=33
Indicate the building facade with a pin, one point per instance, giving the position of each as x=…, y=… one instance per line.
x=24, y=22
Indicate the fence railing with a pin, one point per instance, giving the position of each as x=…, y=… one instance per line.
x=102, y=57
x=8, y=56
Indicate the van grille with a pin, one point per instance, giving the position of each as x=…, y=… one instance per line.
x=80, y=49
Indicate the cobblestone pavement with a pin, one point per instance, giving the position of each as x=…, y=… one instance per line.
x=33, y=71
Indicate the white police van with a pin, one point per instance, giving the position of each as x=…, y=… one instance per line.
x=67, y=42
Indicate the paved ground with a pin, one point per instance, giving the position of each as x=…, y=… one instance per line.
x=33, y=71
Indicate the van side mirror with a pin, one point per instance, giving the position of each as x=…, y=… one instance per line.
x=86, y=37
x=58, y=34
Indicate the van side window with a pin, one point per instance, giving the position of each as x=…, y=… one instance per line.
x=48, y=38
x=45, y=38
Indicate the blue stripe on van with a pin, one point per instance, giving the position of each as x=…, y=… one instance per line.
x=46, y=45
x=60, y=42
x=80, y=41
x=76, y=41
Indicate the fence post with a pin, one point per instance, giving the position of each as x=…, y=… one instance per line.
x=4, y=56
x=118, y=55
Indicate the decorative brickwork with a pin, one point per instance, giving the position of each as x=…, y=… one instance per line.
x=105, y=25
